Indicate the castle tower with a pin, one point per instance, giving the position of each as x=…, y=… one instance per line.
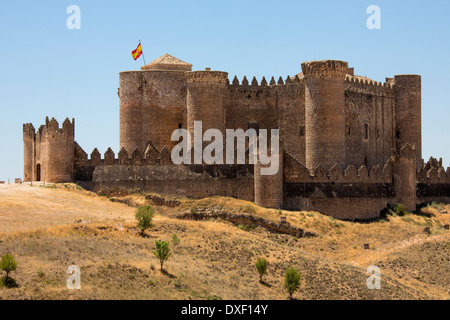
x=405, y=176
x=325, y=113
x=269, y=188
x=54, y=152
x=29, y=136
x=206, y=93
x=408, y=110
x=152, y=103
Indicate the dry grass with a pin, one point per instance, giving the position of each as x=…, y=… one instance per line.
x=48, y=229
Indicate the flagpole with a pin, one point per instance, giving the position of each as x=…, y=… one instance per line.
x=143, y=57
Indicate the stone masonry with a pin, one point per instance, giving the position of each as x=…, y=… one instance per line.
x=350, y=146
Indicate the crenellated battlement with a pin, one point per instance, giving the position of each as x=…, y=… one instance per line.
x=433, y=172
x=51, y=128
x=325, y=69
x=28, y=130
x=367, y=86
x=235, y=84
x=295, y=171
x=137, y=158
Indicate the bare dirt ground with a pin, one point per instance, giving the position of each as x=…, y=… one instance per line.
x=50, y=228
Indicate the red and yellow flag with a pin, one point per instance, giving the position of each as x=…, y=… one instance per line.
x=137, y=53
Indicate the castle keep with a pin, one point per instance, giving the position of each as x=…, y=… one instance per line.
x=350, y=146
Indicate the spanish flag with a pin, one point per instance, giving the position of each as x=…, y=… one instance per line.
x=137, y=53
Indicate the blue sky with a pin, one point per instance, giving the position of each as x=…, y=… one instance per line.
x=48, y=70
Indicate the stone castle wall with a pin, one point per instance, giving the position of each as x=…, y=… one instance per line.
x=370, y=104
x=153, y=171
x=49, y=152
x=152, y=106
x=351, y=146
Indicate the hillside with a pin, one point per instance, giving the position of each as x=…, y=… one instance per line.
x=49, y=228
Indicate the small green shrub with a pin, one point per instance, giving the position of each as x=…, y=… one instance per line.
x=291, y=281
x=175, y=240
x=400, y=209
x=162, y=251
x=144, y=217
x=249, y=209
x=261, y=266
x=244, y=227
x=78, y=186
x=8, y=264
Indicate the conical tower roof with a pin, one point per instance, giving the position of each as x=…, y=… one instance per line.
x=168, y=62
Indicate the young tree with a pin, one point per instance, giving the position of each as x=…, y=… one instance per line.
x=261, y=266
x=291, y=281
x=144, y=217
x=175, y=240
x=162, y=251
x=8, y=264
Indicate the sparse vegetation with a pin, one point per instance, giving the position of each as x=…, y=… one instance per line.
x=438, y=206
x=162, y=251
x=80, y=226
x=175, y=240
x=144, y=217
x=291, y=281
x=78, y=187
x=50, y=186
x=400, y=210
x=101, y=193
x=244, y=227
x=8, y=264
x=248, y=209
x=261, y=266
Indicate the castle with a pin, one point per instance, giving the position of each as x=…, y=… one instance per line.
x=350, y=146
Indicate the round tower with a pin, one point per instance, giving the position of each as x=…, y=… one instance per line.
x=130, y=93
x=153, y=103
x=405, y=176
x=325, y=113
x=28, y=151
x=269, y=188
x=206, y=92
x=408, y=112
